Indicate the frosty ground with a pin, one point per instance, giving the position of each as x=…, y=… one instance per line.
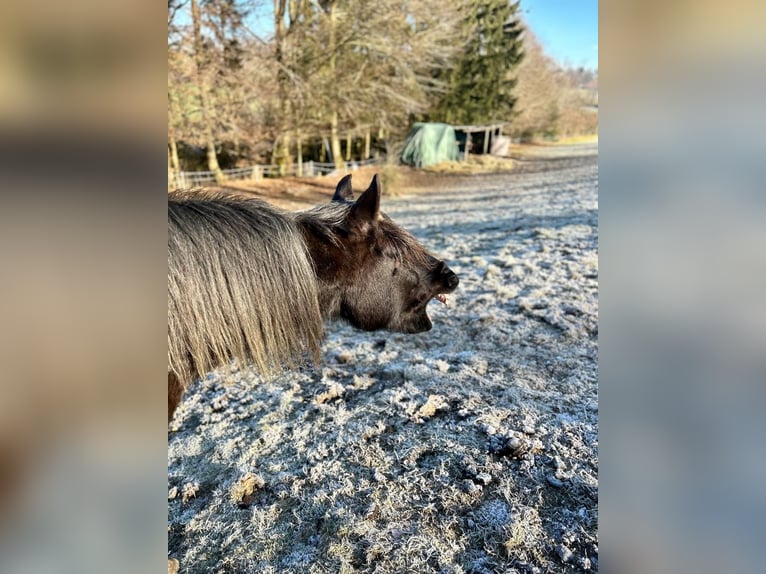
x=472, y=448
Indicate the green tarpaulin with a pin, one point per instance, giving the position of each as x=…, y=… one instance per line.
x=428, y=144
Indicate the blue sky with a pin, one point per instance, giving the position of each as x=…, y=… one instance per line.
x=568, y=29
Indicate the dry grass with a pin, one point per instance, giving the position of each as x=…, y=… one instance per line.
x=474, y=164
x=574, y=140
x=296, y=193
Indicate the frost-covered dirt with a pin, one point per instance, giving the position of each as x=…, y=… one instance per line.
x=471, y=448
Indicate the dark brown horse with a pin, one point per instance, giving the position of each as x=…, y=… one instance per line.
x=247, y=281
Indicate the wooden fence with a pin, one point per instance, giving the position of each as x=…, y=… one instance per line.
x=187, y=179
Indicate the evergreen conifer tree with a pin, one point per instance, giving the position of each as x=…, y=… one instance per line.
x=479, y=88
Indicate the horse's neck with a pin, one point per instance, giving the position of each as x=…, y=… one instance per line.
x=329, y=290
x=329, y=300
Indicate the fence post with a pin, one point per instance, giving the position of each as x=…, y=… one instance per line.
x=310, y=168
x=256, y=174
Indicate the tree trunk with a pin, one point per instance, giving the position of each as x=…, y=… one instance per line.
x=281, y=154
x=348, y=147
x=299, y=154
x=173, y=163
x=337, y=156
x=275, y=149
x=173, y=160
x=207, y=128
x=285, y=160
x=171, y=173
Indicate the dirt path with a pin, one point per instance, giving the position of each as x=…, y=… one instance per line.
x=471, y=448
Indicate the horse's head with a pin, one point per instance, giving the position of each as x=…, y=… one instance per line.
x=372, y=272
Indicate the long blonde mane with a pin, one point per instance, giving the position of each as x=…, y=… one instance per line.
x=240, y=286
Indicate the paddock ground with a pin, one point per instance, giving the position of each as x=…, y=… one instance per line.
x=472, y=448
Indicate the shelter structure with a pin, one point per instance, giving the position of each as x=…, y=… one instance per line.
x=484, y=139
x=430, y=143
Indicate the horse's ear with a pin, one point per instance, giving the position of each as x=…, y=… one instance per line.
x=343, y=191
x=367, y=207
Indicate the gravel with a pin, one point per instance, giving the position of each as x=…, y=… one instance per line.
x=473, y=447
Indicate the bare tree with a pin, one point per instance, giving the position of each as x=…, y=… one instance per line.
x=552, y=100
x=335, y=70
x=173, y=160
x=538, y=91
x=202, y=86
x=378, y=66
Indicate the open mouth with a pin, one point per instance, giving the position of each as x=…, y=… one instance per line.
x=441, y=298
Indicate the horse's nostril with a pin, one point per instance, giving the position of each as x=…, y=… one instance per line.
x=446, y=276
x=451, y=280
